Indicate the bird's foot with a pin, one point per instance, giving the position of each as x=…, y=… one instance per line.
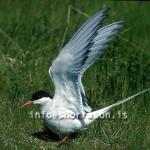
x=67, y=137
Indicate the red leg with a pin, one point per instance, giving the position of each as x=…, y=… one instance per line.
x=64, y=139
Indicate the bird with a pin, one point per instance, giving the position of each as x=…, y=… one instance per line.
x=68, y=111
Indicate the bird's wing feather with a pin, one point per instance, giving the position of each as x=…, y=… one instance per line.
x=82, y=50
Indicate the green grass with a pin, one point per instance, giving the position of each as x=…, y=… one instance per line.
x=31, y=34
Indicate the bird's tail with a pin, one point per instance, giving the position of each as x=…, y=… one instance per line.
x=90, y=117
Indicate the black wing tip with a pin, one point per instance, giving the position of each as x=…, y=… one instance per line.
x=120, y=23
x=106, y=9
x=103, y=11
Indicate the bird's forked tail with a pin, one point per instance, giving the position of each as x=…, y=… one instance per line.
x=90, y=117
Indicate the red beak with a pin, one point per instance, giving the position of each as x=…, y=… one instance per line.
x=27, y=104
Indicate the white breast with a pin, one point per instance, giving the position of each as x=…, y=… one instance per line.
x=64, y=126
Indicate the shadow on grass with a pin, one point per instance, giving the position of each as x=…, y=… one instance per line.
x=50, y=136
x=46, y=136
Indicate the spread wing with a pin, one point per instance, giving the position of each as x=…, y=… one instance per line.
x=82, y=50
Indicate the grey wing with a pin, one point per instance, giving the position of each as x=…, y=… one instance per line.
x=82, y=50
x=86, y=107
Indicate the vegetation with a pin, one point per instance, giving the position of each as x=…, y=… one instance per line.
x=32, y=33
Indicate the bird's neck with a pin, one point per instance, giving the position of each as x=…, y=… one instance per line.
x=46, y=106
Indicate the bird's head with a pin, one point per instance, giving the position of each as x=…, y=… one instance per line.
x=38, y=97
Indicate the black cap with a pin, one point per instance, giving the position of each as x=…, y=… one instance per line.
x=39, y=94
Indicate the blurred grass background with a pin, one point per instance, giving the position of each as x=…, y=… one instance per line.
x=31, y=36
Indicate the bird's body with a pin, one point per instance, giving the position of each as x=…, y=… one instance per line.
x=68, y=111
x=60, y=120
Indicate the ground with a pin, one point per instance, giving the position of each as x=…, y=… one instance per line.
x=31, y=35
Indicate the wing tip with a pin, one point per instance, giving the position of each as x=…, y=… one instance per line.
x=121, y=23
x=118, y=24
x=106, y=9
x=103, y=12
